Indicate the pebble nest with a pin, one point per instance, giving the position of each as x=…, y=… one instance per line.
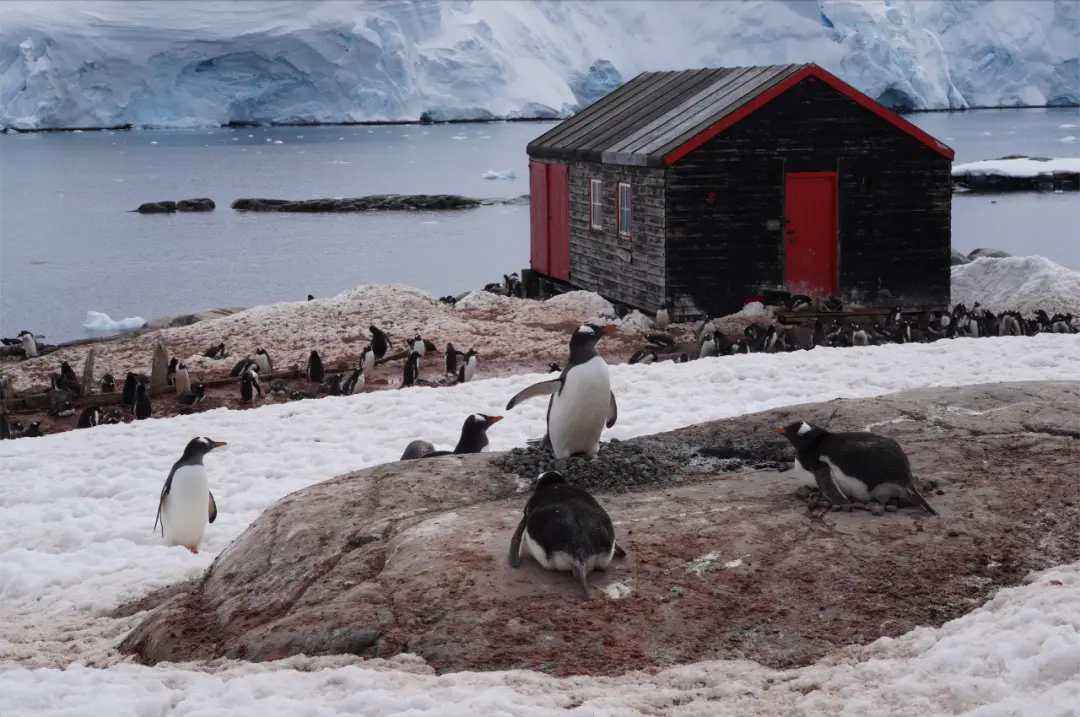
x=642, y=464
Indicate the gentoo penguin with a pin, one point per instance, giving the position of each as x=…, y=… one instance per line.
x=108, y=383
x=170, y=373
x=277, y=386
x=33, y=430
x=451, y=360
x=130, y=384
x=216, y=352
x=90, y=417
x=64, y=386
x=143, y=409
x=367, y=359
x=113, y=416
x=646, y=355
x=859, y=465
x=708, y=346
x=469, y=369
x=262, y=360
x=663, y=318
x=186, y=501
x=564, y=528
x=859, y=337
x=29, y=344
x=660, y=340
x=68, y=373
x=417, y=345
x=818, y=337
x=380, y=344
x=240, y=366
x=581, y=402
x=315, y=371
x=5, y=428
x=332, y=385
x=310, y=297
x=182, y=379
x=249, y=385
x=63, y=410
x=412, y=369
x=354, y=383
x=554, y=368
x=473, y=439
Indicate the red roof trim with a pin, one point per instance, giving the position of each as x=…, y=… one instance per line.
x=832, y=81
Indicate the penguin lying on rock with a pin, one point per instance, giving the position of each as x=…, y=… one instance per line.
x=186, y=503
x=564, y=528
x=473, y=439
x=854, y=465
x=581, y=402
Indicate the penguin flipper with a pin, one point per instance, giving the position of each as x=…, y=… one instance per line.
x=515, y=543
x=161, y=502
x=578, y=569
x=613, y=412
x=213, y=508
x=619, y=552
x=917, y=497
x=827, y=485
x=544, y=388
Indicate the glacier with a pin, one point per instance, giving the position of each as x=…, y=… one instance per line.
x=193, y=63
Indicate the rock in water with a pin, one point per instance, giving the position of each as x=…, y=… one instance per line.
x=375, y=202
x=201, y=204
x=157, y=208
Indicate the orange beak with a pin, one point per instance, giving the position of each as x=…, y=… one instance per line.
x=495, y=419
x=219, y=444
x=778, y=430
x=609, y=329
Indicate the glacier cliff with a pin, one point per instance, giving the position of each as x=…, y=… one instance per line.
x=192, y=63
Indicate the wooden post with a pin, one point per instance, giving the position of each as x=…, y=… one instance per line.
x=159, y=368
x=6, y=394
x=88, y=373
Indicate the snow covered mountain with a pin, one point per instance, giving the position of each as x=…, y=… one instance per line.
x=193, y=63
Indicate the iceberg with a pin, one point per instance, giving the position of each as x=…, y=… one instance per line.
x=99, y=324
x=194, y=63
x=492, y=174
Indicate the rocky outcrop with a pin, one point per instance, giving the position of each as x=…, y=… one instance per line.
x=987, y=178
x=200, y=204
x=988, y=253
x=174, y=320
x=724, y=560
x=372, y=203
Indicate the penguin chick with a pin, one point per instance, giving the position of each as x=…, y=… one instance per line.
x=554, y=368
x=186, y=504
x=663, y=316
x=33, y=430
x=564, y=528
x=858, y=464
x=108, y=383
x=332, y=385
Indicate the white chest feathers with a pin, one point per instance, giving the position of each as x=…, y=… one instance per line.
x=579, y=412
x=187, y=507
x=470, y=368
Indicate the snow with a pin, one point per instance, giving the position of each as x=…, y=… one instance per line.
x=1019, y=167
x=99, y=323
x=196, y=64
x=76, y=540
x=1023, y=283
x=505, y=174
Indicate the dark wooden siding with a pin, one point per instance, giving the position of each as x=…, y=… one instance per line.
x=620, y=269
x=894, y=205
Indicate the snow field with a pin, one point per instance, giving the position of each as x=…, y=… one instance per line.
x=76, y=511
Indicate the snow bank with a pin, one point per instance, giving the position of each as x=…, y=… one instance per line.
x=505, y=174
x=96, y=63
x=1019, y=167
x=99, y=323
x=1023, y=283
x=72, y=546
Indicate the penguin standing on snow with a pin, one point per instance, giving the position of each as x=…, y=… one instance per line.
x=468, y=369
x=315, y=370
x=473, y=439
x=564, y=528
x=412, y=369
x=581, y=402
x=860, y=465
x=143, y=408
x=262, y=360
x=380, y=343
x=186, y=502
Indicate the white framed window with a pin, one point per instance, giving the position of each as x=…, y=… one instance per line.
x=596, y=206
x=625, y=209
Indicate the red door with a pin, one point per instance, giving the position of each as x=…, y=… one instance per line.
x=558, y=201
x=538, y=214
x=810, y=233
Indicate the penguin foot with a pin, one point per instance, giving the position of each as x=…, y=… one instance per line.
x=194, y=550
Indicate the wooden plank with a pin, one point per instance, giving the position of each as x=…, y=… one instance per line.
x=88, y=372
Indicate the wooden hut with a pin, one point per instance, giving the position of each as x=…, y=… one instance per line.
x=707, y=187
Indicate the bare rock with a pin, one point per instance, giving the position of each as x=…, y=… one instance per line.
x=411, y=556
x=168, y=322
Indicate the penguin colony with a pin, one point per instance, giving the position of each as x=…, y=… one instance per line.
x=563, y=527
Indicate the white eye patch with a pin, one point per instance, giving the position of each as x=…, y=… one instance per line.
x=585, y=329
x=477, y=417
x=804, y=428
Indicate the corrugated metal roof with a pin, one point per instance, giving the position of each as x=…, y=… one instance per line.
x=656, y=112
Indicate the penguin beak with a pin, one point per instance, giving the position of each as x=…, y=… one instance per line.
x=218, y=444
x=494, y=419
x=609, y=329
x=779, y=430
